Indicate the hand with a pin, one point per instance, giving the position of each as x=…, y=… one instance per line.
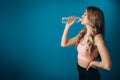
x=91, y=64
x=71, y=21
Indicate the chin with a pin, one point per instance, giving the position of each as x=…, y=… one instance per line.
x=82, y=23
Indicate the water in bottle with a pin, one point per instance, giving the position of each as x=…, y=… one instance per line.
x=65, y=19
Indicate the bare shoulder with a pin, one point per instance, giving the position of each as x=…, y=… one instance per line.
x=98, y=39
x=98, y=36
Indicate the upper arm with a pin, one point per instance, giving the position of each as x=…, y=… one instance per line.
x=103, y=51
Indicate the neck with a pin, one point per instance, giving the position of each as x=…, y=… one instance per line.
x=89, y=30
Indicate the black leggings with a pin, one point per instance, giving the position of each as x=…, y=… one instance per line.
x=91, y=74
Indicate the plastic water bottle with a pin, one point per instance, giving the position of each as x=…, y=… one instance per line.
x=65, y=19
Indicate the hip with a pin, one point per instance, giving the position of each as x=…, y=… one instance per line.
x=91, y=74
x=83, y=63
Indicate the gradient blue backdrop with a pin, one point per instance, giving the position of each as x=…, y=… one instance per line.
x=30, y=36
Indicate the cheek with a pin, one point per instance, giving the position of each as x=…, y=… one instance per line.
x=85, y=21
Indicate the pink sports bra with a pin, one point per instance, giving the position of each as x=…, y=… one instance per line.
x=82, y=53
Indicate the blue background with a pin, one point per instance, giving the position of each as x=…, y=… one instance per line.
x=30, y=37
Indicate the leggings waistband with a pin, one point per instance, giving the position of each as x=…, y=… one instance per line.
x=79, y=67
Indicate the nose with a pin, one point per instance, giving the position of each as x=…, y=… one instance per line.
x=82, y=16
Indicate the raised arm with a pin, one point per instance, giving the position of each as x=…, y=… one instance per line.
x=65, y=41
x=105, y=62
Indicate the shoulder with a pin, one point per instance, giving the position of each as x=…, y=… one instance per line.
x=98, y=38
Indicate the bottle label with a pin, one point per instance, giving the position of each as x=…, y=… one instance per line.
x=65, y=19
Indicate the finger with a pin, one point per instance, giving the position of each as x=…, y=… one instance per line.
x=69, y=17
x=88, y=67
x=73, y=17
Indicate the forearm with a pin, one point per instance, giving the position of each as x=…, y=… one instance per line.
x=65, y=36
x=97, y=64
x=101, y=65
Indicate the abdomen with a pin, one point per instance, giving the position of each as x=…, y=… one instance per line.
x=84, y=61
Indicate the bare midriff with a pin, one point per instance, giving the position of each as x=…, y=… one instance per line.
x=83, y=61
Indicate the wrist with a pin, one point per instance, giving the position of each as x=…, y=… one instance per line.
x=97, y=64
x=67, y=25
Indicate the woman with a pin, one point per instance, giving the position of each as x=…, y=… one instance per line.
x=90, y=44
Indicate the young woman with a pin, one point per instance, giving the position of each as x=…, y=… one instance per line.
x=90, y=44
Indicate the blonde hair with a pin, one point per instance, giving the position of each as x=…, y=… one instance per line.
x=96, y=21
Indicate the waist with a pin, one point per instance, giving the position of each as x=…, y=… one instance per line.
x=84, y=61
x=80, y=68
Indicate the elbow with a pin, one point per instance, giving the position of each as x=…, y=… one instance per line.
x=63, y=45
x=108, y=67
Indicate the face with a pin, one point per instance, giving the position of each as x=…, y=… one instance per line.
x=85, y=18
